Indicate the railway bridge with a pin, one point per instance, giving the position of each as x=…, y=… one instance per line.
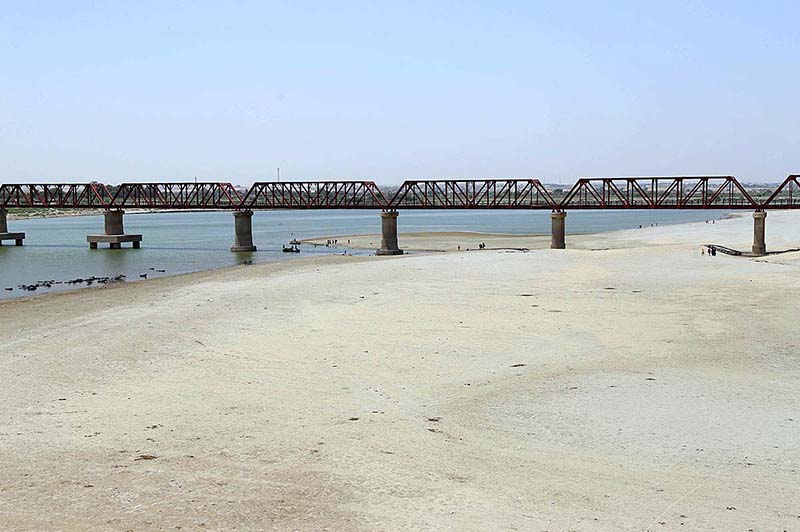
x=619, y=193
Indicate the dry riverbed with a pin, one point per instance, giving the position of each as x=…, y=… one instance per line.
x=626, y=383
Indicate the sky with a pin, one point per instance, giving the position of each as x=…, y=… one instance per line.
x=231, y=91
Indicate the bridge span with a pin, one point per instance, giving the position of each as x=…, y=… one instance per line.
x=676, y=192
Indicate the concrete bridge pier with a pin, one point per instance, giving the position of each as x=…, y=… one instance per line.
x=557, y=226
x=759, y=225
x=114, y=233
x=389, y=234
x=4, y=234
x=243, y=231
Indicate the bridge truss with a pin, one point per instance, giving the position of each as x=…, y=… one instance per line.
x=691, y=192
x=685, y=192
x=176, y=196
x=786, y=196
x=55, y=196
x=473, y=194
x=315, y=195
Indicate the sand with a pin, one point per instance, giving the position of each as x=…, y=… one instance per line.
x=639, y=386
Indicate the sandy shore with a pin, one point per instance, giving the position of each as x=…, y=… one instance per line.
x=439, y=241
x=626, y=383
x=700, y=233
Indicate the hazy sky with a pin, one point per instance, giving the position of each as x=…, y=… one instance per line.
x=141, y=90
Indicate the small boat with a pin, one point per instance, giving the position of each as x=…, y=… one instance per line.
x=291, y=249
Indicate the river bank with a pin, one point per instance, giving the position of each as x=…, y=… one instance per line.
x=181, y=242
x=626, y=383
x=36, y=214
x=705, y=232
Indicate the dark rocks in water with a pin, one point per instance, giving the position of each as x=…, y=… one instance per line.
x=80, y=280
x=143, y=275
x=9, y=289
x=161, y=271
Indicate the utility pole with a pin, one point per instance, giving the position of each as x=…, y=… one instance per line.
x=279, y=174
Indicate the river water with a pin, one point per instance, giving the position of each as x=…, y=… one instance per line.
x=56, y=248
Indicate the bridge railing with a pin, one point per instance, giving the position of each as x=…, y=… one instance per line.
x=315, y=195
x=687, y=192
x=55, y=196
x=473, y=194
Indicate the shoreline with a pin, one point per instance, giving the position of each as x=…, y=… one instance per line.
x=418, y=243
x=454, y=241
x=57, y=213
x=69, y=213
x=537, y=238
x=187, y=278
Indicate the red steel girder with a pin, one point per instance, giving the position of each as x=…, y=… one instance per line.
x=683, y=192
x=314, y=195
x=55, y=196
x=786, y=196
x=473, y=194
x=176, y=196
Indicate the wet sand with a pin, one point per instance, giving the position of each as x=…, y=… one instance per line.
x=626, y=383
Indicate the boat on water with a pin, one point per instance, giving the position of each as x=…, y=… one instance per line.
x=293, y=248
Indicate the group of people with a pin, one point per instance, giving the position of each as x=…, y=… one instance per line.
x=482, y=245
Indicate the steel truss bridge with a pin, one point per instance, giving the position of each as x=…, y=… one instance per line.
x=682, y=192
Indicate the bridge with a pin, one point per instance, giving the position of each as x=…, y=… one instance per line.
x=676, y=192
